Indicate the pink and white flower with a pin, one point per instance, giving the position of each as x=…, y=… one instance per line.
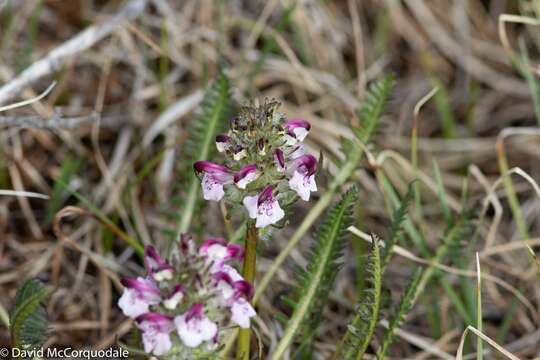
x=242, y=312
x=234, y=295
x=223, y=142
x=156, y=328
x=138, y=295
x=264, y=208
x=175, y=297
x=303, y=170
x=194, y=327
x=217, y=251
x=215, y=176
x=156, y=266
x=246, y=175
x=297, y=128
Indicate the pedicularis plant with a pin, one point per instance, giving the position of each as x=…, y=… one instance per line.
x=189, y=304
x=185, y=306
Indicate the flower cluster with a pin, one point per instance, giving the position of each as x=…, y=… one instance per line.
x=183, y=310
x=266, y=164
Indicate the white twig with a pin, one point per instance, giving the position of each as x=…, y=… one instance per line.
x=29, y=101
x=80, y=42
x=23, y=194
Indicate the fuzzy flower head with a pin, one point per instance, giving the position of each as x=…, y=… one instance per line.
x=185, y=307
x=265, y=168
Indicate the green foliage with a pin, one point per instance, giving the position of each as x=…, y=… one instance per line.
x=396, y=228
x=405, y=305
x=373, y=106
x=361, y=328
x=68, y=169
x=317, y=280
x=28, y=320
x=215, y=110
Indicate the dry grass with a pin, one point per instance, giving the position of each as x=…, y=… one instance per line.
x=122, y=104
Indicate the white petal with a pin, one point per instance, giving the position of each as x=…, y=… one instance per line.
x=166, y=274
x=212, y=190
x=157, y=343
x=173, y=301
x=207, y=328
x=240, y=155
x=217, y=253
x=300, y=133
x=312, y=184
x=250, y=202
x=226, y=290
x=232, y=272
x=269, y=213
x=301, y=185
x=194, y=332
x=242, y=311
x=242, y=183
x=131, y=304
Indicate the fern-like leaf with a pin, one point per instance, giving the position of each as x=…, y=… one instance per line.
x=396, y=228
x=318, y=279
x=215, y=110
x=373, y=106
x=28, y=321
x=361, y=328
x=405, y=305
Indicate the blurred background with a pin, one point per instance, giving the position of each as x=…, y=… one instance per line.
x=111, y=133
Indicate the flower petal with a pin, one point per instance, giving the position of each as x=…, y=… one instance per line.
x=242, y=311
x=212, y=189
x=269, y=212
x=131, y=304
x=251, y=204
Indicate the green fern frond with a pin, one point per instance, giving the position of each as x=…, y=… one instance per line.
x=405, y=305
x=373, y=106
x=361, y=328
x=317, y=280
x=215, y=110
x=396, y=229
x=28, y=321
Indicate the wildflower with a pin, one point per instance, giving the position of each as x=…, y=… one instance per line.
x=234, y=294
x=158, y=268
x=223, y=142
x=216, y=250
x=138, y=295
x=194, y=326
x=264, y=208
x=246, y=175
x=297, y=128
x=302, y=181
x=242, y=312
x=156, y=328
x=215, y=176
x=174, y=298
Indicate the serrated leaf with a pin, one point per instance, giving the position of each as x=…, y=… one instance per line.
x=405, y=305
x=361, y=328
x=373, y=106
x=323, y=266
x=28, y=321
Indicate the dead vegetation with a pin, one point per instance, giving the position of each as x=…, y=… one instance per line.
x=129, y=75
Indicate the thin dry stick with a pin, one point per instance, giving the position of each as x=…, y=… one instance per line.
x=56, y=58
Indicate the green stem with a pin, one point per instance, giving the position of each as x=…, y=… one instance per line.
x=250, y=262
